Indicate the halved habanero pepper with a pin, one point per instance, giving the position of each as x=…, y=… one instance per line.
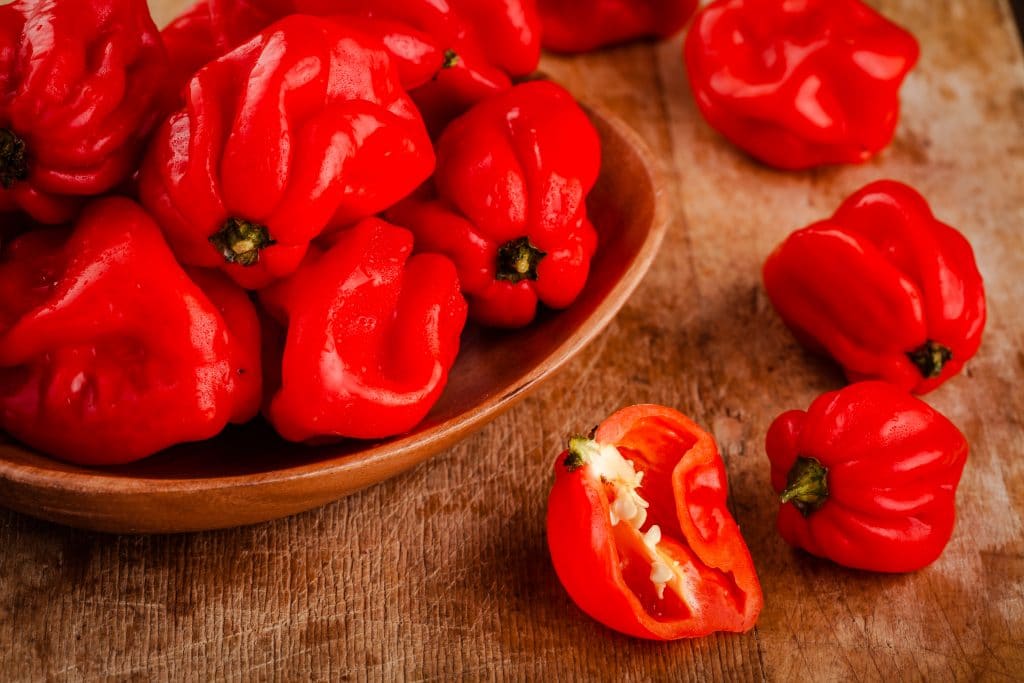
x=640, y=534
x=80, y=91
x=883, y=287
x=868, y=477
x=109, y=352
x=574, y=26
x=303, y=128
x=369, y=334
x=801, y=83
x=508, y=203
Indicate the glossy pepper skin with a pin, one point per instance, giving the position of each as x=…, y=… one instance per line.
x=617, y=527
x=802, y=83
x=191, y=42
x=450, y=53
x=109, y=352
x=303, y=128
x=416, y=55
x=868, y=478
x=371, y=333
x=509, y=32
x=883, y=287
x=572, y=26
x=80, y=86
x=509, y=204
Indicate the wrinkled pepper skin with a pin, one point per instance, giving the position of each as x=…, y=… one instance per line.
x=868, y=476
x=414, y=52
x=303, y=128
x=450, y=54
x=884, y=288
x=416, y=55
x=510, y=210
x=80, y=91
x=799, y=84
x=371, y=333
x=109, y=352
x=602, y=561
x=571, y=26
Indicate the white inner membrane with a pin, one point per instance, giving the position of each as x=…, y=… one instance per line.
x=606, y=463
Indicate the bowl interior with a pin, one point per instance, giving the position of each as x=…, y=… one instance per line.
x=494, y=369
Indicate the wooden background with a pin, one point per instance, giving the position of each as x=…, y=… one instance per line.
x=444, y=572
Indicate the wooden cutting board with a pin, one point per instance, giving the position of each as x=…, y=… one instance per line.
x=444, y=571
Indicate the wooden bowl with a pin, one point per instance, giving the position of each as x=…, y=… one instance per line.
x=249, y=475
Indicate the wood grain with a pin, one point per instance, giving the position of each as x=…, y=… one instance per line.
x=443, y=572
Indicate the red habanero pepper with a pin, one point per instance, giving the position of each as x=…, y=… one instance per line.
x=303, y=128
x=883, y=287
x=195, y=38
x=415, y=54
x=512, y=179
x=688, y=572
x=509, y=31
x=371, y=333
x=239, y=314
x=109, y=352
x=868, y=478
x=80, y=86
x=442, y=59
x=572, y=26
x=191, y=42
x=490, y=41
x=802, y=83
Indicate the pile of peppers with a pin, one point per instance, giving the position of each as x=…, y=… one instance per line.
x=195, y=233
x=291, y=208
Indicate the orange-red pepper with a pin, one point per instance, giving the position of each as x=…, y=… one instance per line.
x=640, y=534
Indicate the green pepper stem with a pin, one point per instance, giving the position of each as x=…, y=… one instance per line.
x=806, y=485
x=518, y=260
x=13, y=164
x=580, y=448
x=241, y=241
x=930, y=358
x=451, y=58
